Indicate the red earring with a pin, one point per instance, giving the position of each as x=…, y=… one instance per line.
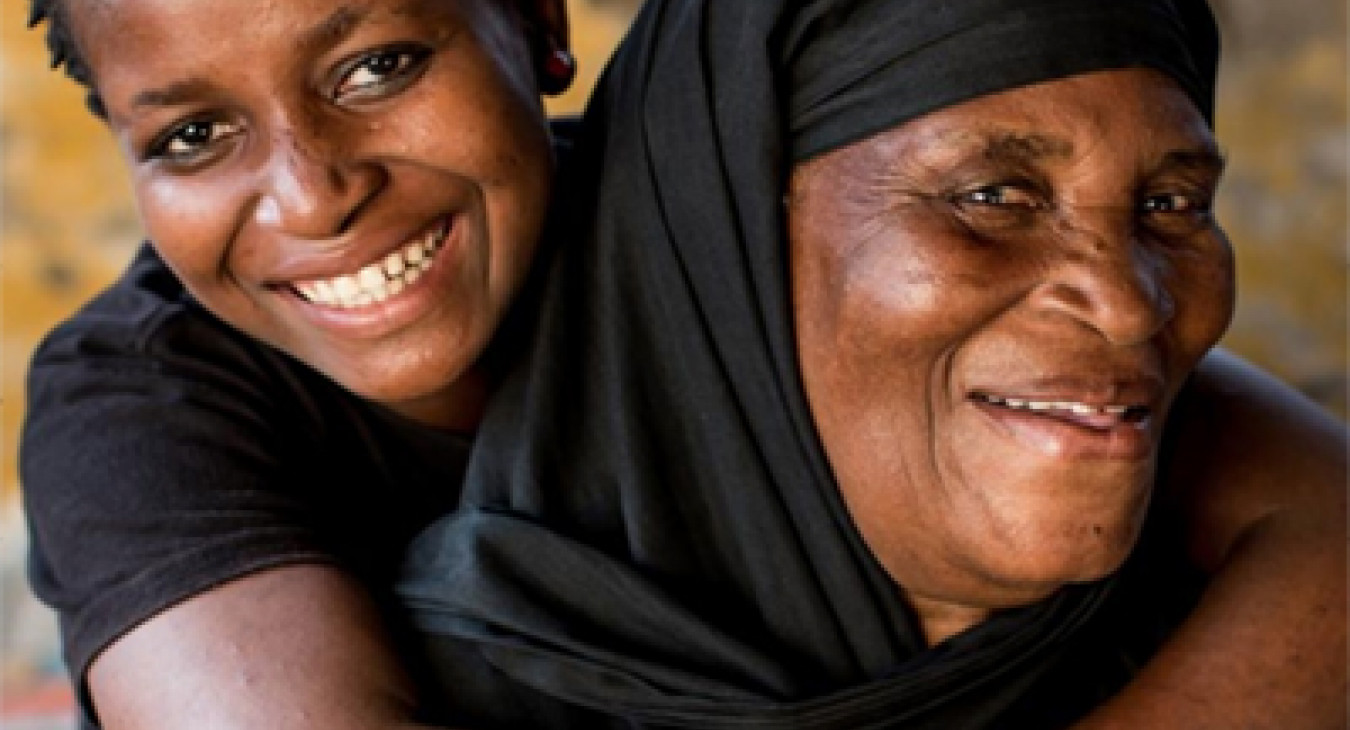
x=559, y=70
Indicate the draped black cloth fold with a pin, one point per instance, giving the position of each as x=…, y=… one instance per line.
x=650, y=534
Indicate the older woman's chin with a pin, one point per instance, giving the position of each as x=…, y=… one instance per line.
x=1023, y=553
x=1040, y=555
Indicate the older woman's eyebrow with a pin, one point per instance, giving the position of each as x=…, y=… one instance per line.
x=1024, y=148
x=1207, y=160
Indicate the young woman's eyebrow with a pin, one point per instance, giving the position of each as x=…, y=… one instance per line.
x=329, y=32
x=171, y=94
x=336, y=27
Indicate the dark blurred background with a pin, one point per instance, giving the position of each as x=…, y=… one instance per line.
x=67, y=226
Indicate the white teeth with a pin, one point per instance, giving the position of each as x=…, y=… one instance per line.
x=371, y=278
x=323, y=291
x=393, y=264
x=415, y=254
x=380, y=280
x=345, y=287
x=1078, y=409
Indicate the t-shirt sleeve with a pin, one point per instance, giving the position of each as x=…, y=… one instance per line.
x=154, y=465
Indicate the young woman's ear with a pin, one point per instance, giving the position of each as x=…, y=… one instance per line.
x=555, y=67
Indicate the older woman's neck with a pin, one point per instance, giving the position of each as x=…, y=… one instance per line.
x=942, y=620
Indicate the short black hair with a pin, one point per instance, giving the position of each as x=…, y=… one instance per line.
x=63, y=49
x=65, y=52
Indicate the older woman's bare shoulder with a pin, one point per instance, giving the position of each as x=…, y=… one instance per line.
x=1245, y=447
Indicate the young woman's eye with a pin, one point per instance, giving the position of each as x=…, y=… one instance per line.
x=381, y=72
x=191, y=140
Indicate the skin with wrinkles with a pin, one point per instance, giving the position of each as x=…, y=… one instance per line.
x=996, y=305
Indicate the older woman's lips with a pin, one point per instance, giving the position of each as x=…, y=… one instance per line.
x=1073, y=428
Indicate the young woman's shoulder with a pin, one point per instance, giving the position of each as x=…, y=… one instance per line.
x=164, y=453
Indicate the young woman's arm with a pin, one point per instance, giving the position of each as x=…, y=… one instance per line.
x=187, y=491
x=290, y=648
x=1263, y=488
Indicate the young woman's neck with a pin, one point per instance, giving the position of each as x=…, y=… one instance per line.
x=458, y=408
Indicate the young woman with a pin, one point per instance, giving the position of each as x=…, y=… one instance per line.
x=226, y=452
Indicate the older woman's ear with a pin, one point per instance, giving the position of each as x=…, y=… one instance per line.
x=554, y=64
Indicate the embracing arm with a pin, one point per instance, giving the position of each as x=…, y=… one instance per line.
x=297, y=647
x=1263, y=493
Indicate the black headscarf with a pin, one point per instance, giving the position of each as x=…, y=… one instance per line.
x=650, y=529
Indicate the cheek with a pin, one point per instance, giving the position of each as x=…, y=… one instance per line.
x=913, y=299
x=190, y=224
x=501, y=148
x=876, y=333
x=1204, y=292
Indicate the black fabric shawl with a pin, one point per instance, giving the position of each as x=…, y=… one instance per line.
x=651, y=535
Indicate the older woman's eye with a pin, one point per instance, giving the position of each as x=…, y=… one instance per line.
x=382, y=72
x=190, y=141
x=1001, y=206
x=1177, y=213
x=1002, y=195
x=1173, y=203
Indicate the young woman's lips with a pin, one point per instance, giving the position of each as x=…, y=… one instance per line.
x=1073, y=428
x=387, y=293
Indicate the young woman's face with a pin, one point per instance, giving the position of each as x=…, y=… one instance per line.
x=359, y=183
x=996, y=304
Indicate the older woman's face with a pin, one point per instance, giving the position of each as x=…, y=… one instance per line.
x=995, y=307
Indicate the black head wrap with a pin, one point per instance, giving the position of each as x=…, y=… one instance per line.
x=651, y=530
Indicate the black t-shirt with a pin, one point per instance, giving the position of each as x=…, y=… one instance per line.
x=164, y=453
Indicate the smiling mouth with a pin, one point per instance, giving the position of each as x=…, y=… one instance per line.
x=380, y=280
x=1097, y=417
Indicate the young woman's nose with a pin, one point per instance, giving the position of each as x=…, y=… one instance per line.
x=1107, y=280
x=313, y=188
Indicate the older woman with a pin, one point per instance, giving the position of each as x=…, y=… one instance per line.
x=209, y=458
x=850, y=411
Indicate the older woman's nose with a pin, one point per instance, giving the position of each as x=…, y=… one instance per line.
x=1109, y=282
x=313, y=188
